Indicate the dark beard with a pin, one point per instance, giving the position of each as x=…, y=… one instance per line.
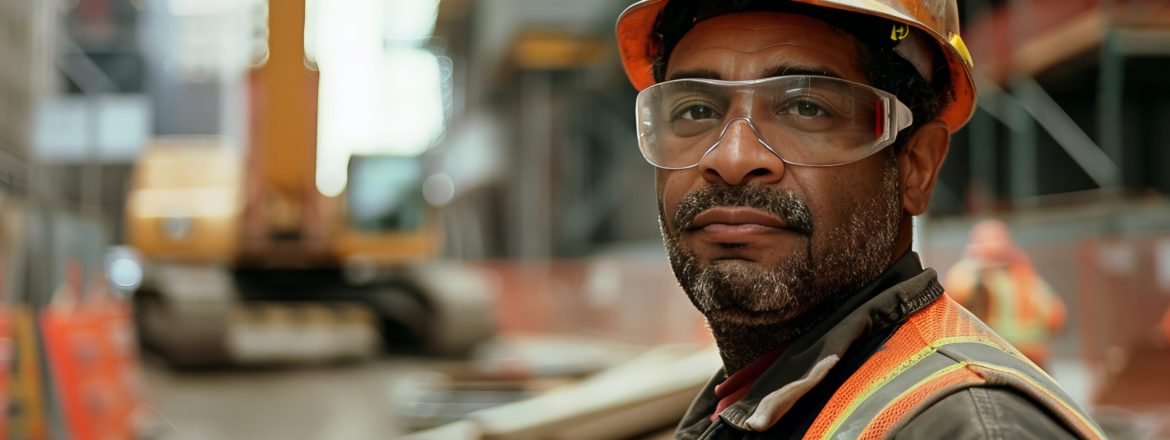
x=754, y=309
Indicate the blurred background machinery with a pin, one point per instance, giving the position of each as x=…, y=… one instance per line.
x=247, y=261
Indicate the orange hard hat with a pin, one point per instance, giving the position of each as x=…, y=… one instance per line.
x=939, y=19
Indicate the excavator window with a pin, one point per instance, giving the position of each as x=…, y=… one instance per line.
x=385, y=194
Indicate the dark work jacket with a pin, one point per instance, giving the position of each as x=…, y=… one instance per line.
x=855, y=332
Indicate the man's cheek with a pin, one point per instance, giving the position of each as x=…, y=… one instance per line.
x=660, y=177
x=666, y=215
x=820, y=229
x=668, y=198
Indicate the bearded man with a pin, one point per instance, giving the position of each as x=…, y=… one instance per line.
x=793, y=143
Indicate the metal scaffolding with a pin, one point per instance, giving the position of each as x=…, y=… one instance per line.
x=1013, y=93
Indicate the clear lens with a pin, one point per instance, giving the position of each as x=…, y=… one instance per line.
x=806, y=120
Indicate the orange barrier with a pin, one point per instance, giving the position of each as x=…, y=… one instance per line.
x=6, y=350
x=93, y=366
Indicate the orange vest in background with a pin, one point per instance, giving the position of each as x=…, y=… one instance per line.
x=940, y=350
x=1166, y=326
x=1019, y=305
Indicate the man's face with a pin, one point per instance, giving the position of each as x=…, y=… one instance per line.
x=755, y=241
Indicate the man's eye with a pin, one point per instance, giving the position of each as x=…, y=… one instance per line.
x=806, y=108
x=697, y=112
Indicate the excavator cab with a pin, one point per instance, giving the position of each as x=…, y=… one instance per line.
x=387, y=221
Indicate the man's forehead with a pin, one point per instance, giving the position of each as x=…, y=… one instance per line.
x=772, y=21
x=762, y=44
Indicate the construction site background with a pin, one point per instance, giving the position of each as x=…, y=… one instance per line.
x=516, y=118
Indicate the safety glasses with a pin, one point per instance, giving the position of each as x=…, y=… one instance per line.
x=804, y=120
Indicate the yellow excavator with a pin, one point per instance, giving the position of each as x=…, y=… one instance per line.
x=245, y=261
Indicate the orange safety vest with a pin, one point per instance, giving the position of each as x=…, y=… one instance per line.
x=940, y=350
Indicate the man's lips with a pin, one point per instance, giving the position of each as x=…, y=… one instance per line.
x=736, y=220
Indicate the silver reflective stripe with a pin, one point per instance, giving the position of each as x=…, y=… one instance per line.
x=869, y=408
x=985, y=354
x=1002, y=367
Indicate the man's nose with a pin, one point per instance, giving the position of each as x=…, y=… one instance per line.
x=740, y=158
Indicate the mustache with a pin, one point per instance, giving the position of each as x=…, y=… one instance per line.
x=782, y=203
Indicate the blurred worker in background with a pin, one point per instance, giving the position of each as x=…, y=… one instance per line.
x=996, y=281
x=794, y=141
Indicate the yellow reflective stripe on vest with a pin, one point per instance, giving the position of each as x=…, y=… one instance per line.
x=858, y=418
x=923, y=367
x=898, y=371
x=941, y=349
x=960, y=364
x=1038, y=384
x=1071, y=414
x=893, y=375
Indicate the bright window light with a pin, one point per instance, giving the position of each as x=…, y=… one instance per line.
x=410, y=19
x=189, y=8
x=372, y=100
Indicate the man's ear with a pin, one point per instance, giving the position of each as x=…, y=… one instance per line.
x=919, y=163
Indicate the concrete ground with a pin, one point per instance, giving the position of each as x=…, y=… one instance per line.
x=346, y=402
